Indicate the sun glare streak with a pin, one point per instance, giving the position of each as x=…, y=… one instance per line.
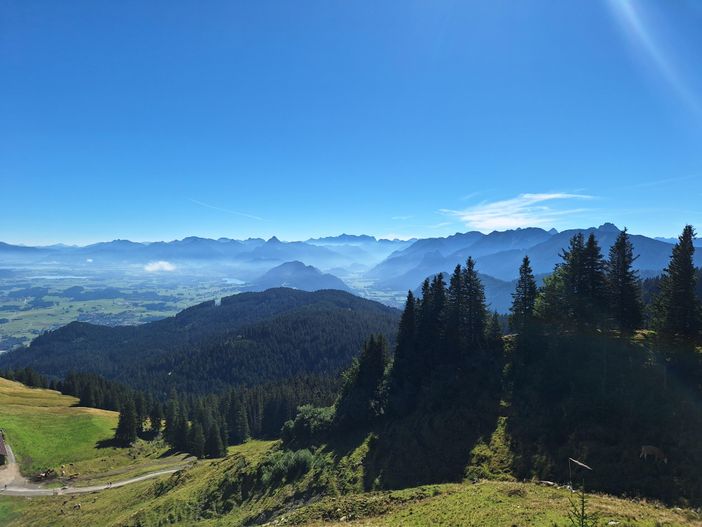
x=639, y=32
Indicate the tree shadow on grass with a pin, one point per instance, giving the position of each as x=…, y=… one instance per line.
x=109, y=443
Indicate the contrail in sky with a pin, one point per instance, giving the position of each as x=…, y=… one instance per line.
x=228, y=211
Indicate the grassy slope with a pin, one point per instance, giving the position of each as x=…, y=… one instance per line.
x=484, y=504
x=193, y=498
x=47, y=431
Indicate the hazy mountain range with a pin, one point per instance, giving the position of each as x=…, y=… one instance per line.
x=359, y=263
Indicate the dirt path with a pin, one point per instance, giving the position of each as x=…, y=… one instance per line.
x=12, y=483
x=10, y=473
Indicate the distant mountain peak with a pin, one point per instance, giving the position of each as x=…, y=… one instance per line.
x=297, y=264
x=297, y=275
x=345, y=238
x=273, y=240
x=608, y=227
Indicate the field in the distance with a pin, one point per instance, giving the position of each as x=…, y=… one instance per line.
x=32, y=301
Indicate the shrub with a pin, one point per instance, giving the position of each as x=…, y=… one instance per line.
x=285, y=466
x=310, y=426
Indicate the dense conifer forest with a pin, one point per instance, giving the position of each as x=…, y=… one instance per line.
x=248, y=339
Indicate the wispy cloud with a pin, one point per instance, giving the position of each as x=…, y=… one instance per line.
x=525, y=210
x=228, y=211
x=666, y=181
x=161, y=265
x=401, y=218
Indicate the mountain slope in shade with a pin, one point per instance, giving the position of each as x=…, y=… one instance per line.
x=405, y=260
x=404, y=269
x=248, y=338
x=653, y=255
x=499, y=254
x=297, y=275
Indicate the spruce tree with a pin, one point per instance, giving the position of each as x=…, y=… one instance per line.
x=493, y=332
x=196, y=440
x=182, y=431
x=677, y=309
x=429, y=325
x=360, y=400
x=140, y=406
x=406, y=369
x=213, y=444
x=576, y=292
x=595, y=292
x=573, y=279
x=473, y=323
x=406, y=335
x=523, y=298
x=87, y=396
x=455, y=307
x=170, y=430
x=155, y=417
x=624, y=285
x=238, y=422
x=126, y=432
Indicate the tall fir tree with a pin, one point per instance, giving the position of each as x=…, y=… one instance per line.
x=238, y=422
x=576, y=293
x=475, y=318
x=360, y=401
x=155, y=417
x=407, y=368
x=170, y=430
x=455, y=314
x=493, y=332
x=573, y=278
x=213, y=443
x=624, y=285
x=196, y=440
x=594, y=304
x=182, y=430
x=126, y=432
x=523, y=298
x=677, y=309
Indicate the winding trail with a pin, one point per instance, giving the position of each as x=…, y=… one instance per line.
x=12, y=483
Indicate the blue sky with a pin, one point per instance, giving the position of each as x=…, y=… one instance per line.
x=159, y=120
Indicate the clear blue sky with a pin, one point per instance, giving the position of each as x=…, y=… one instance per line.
x=159, y=120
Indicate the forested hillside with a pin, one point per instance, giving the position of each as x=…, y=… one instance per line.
x=247, y=339
x=576, y=378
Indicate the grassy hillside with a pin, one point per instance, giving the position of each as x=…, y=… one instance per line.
x=46, y=430
x=258, y=483
x=484, y=504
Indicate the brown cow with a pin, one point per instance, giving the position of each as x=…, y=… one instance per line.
x=657, y=453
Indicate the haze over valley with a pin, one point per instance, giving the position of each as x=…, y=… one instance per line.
x=122, y=282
